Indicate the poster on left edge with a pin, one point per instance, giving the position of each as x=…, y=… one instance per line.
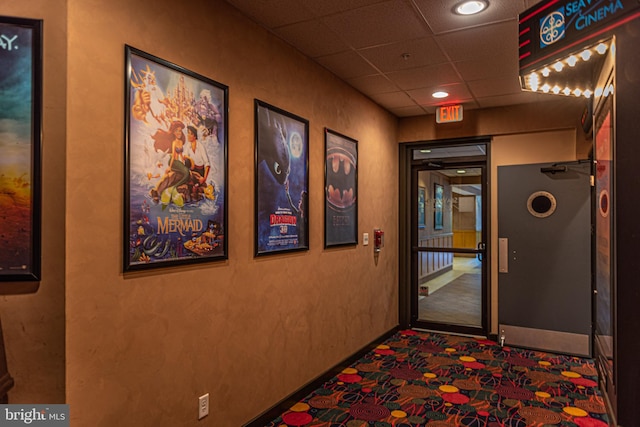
x=176, y=165
x=20, y=144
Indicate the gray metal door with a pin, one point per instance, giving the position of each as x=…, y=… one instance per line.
x=544, y=265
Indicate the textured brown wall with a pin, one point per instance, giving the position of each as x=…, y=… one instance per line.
x=142, y=347
x=33, y=324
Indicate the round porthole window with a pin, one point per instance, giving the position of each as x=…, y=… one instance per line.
x=604, y=203
x=541, y=204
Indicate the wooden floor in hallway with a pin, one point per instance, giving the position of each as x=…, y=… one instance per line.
x=456, y=296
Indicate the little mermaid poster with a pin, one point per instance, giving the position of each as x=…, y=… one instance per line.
x=176, y=154
x=20, y=103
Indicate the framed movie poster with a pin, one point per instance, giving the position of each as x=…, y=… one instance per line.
x=281, y=181
x=437, y=202
x=176, y=165
x=341, y=190
x=20, y=144
x=421, y=206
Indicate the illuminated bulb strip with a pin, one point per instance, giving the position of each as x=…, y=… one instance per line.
x=534, y=82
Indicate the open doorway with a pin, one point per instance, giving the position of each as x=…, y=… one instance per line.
x=446, y=288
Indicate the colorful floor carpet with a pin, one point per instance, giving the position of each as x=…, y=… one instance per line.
x=425, y=379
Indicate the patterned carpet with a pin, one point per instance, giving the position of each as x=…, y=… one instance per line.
x=425, y=379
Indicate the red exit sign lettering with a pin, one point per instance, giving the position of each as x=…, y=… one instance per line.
x=449, y=114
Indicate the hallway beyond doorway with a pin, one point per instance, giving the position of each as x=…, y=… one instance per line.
x=455, y=296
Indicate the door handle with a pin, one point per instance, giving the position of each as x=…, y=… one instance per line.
x=481, y=247
x=503, y=255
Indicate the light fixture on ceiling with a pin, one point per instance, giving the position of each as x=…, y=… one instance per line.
x=470, y=7
x=440, y=94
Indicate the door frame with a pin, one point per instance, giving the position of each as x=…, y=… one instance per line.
x=408, y=226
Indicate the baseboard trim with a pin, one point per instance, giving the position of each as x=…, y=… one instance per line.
x=281, y=407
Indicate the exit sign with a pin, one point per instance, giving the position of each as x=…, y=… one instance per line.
x=449, y=114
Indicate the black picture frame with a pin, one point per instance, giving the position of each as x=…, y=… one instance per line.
x=341, y=190
x=422, y=194
x=175, y=189
x=438, y=200
x=281, y=181
x=20, y=169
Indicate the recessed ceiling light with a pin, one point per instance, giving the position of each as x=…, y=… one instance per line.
x=440, y=94
x=470, y=7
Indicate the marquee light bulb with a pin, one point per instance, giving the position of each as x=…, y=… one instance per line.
x=558, y=66
x=572, y=60
x=585, y=55
x=601, y=48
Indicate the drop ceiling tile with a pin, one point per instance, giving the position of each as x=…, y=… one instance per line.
x=272, y=13
x=403, y=55
x=496, y=86
x=373, y=84
x=503, y=63
x=381, y=23
x=329, y=7
x=442, y=74
x=313, y=38
x=393, y=99
x=346, y=65
x=411, y=111
x=441, y=19
x=480, y=42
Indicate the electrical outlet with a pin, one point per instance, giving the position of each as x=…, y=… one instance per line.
x=365, y=239
x=203, y=406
